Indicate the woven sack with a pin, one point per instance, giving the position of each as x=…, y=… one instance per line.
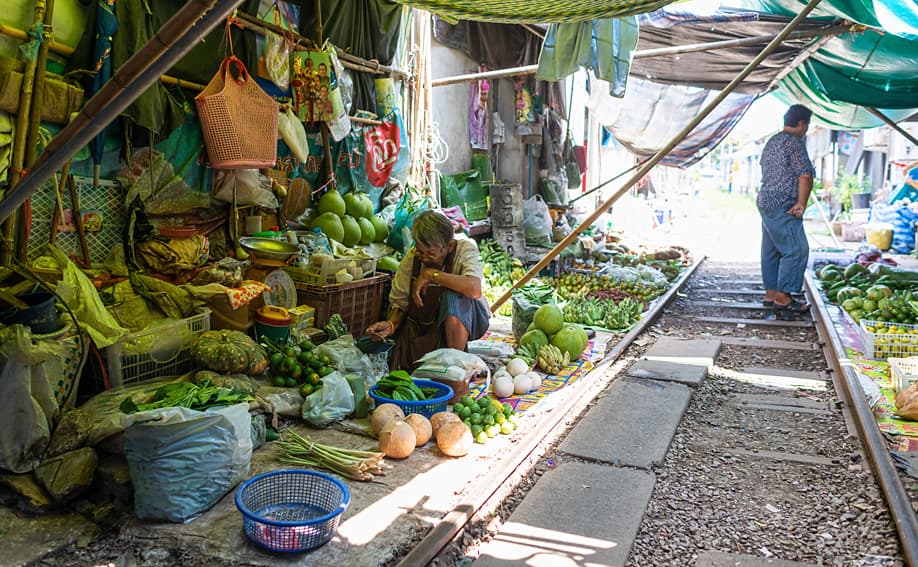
x=238, y=119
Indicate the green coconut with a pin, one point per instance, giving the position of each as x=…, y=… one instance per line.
x=569, y=340
x=332, y=202
x=331, y=225
x=351, y=230
x=367, y=232
x=382, y=229
x=354, y=204
x=387, y=263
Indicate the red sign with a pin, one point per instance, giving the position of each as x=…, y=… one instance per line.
x=382, y=152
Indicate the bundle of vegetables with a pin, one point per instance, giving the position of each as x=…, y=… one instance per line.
x=613, y=315
x=296, y=366
x=188, y=395
x=399, y=386
x=486, y=417
x=349, y=463
x=835, y=279
x=526, y=300
x=335, y=326
x=500, y=271
x=578, y=284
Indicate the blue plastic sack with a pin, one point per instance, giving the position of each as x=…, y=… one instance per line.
x=408, y=207
x=902, y=219
x=183, y=461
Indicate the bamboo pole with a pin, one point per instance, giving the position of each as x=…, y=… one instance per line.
x=17, y=161
x=891, y=124
x=591, y=218
x=38, y=104
x=825, y=219
x=348, y=60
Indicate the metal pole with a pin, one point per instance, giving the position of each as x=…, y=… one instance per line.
x=831, y=30
x=591, y=218
x=175, y=39
x=891, y=124
x=825, y=219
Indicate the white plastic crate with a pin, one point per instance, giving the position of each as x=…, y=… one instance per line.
x=897, y=340
x=161, y=350
x=902, y=372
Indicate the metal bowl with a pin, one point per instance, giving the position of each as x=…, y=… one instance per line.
x=268, y=248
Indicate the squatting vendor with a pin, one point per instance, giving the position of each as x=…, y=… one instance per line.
x=436, y=294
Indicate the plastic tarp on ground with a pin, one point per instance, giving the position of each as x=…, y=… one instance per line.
x=641, y=121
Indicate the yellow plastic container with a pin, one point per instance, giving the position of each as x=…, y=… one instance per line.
x=879, y=235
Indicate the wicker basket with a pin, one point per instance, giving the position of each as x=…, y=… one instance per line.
x=238, y=120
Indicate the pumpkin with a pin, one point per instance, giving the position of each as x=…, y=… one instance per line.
x=229, y=351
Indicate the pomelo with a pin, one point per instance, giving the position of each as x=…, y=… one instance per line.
x=351, y=231
x=382, y=229
x=354, y=204
x=568, y=340
x=548, y=319
x=332, y=202
x=368, y=206
x=534, y=337
x=330, y=224
x=387, y=263
x=367, y=232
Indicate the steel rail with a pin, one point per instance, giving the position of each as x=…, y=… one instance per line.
x=896, y=497
x=446, y=529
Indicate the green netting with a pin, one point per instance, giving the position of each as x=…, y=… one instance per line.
x=535, y=11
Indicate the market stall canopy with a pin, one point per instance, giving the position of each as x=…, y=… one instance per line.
x=534, y=11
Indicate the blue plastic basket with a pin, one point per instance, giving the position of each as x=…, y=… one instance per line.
x=292, y=510
x=427, y=407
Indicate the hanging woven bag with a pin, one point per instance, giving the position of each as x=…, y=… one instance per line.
x=238, y=119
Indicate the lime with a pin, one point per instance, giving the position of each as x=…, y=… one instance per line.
x=481, y=437
x=279, y=381
x=290, y=382
x=317, y=363
x=313, y=378
x=289, y=351
x=275, y=359
x=306, y=389
x=325, y=360
x=297, y=371
x=304, y=358
x=476, y=417
x=306, y=345
x=288, y=364
x=325, y=370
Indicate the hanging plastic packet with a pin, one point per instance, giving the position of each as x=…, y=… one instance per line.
x=276, y=52
x=339, y=123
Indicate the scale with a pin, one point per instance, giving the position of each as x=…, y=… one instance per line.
x=271, y=272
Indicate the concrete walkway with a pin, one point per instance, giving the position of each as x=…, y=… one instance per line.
x=588, y=510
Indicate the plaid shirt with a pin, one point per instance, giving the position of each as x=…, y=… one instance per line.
x=784, y=161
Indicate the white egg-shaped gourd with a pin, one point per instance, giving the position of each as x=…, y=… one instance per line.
x=522, y=384
x=517, y=366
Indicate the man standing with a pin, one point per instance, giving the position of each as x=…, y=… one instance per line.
x=787, y=179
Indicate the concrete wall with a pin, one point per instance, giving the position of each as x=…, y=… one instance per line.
x=450, y=111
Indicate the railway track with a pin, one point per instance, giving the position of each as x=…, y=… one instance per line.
x=773, y=457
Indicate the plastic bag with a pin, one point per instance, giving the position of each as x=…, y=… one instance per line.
x=333, y=402
x=341, y=351
x=537, y=222
x=445, y=357
x=277, y=52
x=250, y=187
x=523, y=312
x=182, y=461
x=408, y=208
x=29, y=373
x=293, y=133
x=76, y=290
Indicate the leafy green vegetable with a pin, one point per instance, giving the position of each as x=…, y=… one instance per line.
x=188, y=395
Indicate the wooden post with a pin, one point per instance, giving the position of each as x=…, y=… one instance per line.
x=643, y=170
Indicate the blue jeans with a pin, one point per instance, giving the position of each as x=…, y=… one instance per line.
x=785, y=251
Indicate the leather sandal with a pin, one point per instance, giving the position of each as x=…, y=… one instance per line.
x=794, y=307
x=768, y=303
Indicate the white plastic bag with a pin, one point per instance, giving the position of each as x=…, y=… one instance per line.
x=182, y=461
x=341, y=351
x=445, y=357
x=250, y=188
x=293, y=133
x=333, y=402
x=537, y=222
